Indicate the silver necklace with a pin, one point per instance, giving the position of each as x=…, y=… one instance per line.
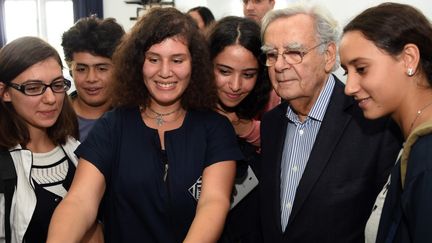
x=419, y=112
x=159, y=116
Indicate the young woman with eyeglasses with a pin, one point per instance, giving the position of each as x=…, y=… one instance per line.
x=38, y=129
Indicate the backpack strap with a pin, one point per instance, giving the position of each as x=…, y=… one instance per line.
x=8, y=180
x=423, y=129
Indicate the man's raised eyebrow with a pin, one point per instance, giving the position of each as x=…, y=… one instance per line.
x=294, y=45
x=102, y=64
x=266, y=48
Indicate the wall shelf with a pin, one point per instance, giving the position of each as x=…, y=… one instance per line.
x=148, y=4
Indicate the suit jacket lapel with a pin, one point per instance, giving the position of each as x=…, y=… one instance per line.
x=331, y=129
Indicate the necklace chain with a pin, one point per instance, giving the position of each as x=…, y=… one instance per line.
x=419, y=112
x=159, y=116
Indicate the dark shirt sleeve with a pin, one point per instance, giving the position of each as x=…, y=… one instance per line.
x=417, y=194
x=222, y=141
x=418, y=207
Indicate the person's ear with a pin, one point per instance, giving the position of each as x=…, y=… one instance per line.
x=2, y=88
x=4, y=92
x=70, y=67
x=411, y=58
x=330, y=56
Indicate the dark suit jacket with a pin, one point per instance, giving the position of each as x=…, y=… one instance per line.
x=348, y=165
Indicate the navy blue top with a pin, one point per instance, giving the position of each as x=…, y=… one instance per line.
x=407, y=212
x=139, y=205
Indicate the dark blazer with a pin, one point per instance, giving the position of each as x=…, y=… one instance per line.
x=348, y=165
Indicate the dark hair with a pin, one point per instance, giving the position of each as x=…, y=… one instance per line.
x=391, y=26
x=154, y=27
x=205, y=13
x=245, y=32
x=15, y=58
x=93, y=35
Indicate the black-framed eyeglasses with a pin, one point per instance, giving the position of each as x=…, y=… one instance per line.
x=290, y=56
x=37, y=87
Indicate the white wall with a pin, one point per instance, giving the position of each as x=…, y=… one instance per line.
x=343, y=10
x=220, y=8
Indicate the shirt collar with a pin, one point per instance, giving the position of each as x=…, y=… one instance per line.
x=319, y=108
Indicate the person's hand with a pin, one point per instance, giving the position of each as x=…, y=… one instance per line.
x=232, y=116
x=242, y=127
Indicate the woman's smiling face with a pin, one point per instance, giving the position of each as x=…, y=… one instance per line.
x=236, y=72
x=167, y=70
x=375, y=79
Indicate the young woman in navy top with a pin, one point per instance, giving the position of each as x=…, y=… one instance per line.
x=387, y=53
x=163, y=159
x=243, y=90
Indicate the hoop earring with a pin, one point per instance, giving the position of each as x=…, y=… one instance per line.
x=410, y=72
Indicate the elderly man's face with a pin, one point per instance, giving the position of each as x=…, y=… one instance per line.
x=301, y=82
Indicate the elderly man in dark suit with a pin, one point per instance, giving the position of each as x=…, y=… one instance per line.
x=323, y=163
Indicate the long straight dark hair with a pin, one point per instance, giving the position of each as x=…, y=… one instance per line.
x=234, y=30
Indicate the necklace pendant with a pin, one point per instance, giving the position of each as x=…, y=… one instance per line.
x=159, y=120
x=165, y=172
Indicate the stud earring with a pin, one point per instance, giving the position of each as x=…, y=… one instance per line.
x=410, y=72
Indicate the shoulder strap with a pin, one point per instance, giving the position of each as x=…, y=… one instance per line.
x=8, y=180
x=423, y=129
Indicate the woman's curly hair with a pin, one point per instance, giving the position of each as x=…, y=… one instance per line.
x=153, y=28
